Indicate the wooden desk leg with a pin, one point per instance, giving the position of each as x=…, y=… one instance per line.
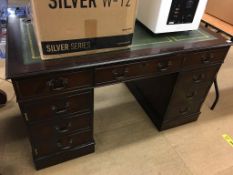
x=217, y=94
x=3, y=97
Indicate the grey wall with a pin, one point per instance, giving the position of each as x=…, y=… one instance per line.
x=2, y=3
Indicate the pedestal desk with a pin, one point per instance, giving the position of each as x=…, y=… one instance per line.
x=169, y=74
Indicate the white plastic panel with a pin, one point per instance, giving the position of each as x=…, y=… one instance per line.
x=154, y=14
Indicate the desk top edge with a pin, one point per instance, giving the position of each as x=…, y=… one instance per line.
x=16, y=69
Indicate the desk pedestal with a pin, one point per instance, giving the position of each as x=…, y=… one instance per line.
x=176, y=99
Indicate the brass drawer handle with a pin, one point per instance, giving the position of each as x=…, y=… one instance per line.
x=184, y=110
x=206, y=59
x=61, y=146
x=63, y=129
x=57, y=84
x=120, y=75
x=190, y=95
x=164, y=66
x=198, y=78
x=58, y=110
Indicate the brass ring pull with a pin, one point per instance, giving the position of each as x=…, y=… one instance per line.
x=62, y=110
x=120, y=75
x=65, y=147
x=164, y=66
x=63, y=129
x=190, y=95
x=184, y=110
x=198, y=78
x=57, y=84
x=206, y=59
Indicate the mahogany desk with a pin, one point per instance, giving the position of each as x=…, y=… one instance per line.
x=170, y=76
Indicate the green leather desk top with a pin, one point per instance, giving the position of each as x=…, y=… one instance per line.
x=143, y=38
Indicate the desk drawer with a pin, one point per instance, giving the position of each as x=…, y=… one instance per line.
x=182, y=109
x=58, y=106
x=187, y=79
x=58, y=127
x=63, y=143
x=118, y=73
x=54, y=83
x=205, y=58
x=187, y=94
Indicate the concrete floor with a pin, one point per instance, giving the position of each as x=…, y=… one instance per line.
x=127, y=142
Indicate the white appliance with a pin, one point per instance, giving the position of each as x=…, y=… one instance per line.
x=163, y=16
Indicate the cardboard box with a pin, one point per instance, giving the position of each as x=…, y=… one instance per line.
x=77, y=27
x=221, y=9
